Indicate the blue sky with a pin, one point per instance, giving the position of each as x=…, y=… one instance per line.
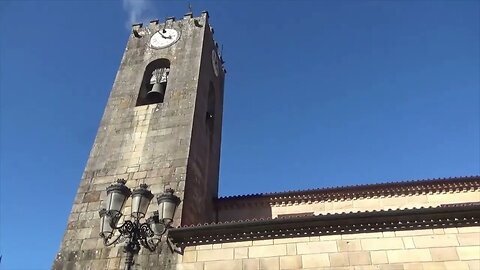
x=318, y=93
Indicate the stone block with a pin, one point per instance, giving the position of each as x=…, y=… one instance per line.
x=291, y=240
x=267, y=251
x=316, y=247
x=366, y=204
x=203, y=247
x=269, y=263
x=291, y=249
x=408, y=242
x=410, y=255
x=315, y=260
x=450, y=230
x=447, y=240
x=99, y=264
x=444, y=254
x=363, y=267
x=113, y=263
x=89, y=243
x=330, y=237
x=339, y=205
x=189, y=256
x=458, y=197
x=215, y=254
x=338, y=259
x=414, y=232
x=362, y=235
x=457, y=265
x=314, y=238
x=80, y=207
x=291, y=262
x=474, y=265
x=359, y=258
x=394, y=202
x=469, y=229
x=469, y=253
x=394, y=267
x=434, y=266
x=388, y=234
x=237, y=244
x=413, y=266
x=241, y=253
x=251, y=264
x=114, y=252
x=382, y=244
x=262, y=242
x=469, y=239
x=223, y=265
x=94, y=206
x=378, y=257
x=349, y=245
x=189, y=266
x=139, y=175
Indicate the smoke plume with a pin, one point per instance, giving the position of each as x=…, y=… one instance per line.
x=136, y=10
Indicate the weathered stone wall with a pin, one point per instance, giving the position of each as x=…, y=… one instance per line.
x=204, y=156
x=256, y=209
x=150, y=144
x=442, y=248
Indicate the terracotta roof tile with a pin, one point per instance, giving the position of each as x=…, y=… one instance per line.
x=367, y=190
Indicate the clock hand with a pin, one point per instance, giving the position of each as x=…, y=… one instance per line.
x=166, y=37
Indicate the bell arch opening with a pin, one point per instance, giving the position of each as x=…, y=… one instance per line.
x=154, y=82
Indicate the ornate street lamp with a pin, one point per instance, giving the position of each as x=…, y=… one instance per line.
x=138, y=234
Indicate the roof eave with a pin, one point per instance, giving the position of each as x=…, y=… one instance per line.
x=357, y=222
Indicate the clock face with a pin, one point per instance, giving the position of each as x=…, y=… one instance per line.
x=215, y=62
x=164, y=38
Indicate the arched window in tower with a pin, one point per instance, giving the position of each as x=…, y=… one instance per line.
x=210, y=118
x=154, y=82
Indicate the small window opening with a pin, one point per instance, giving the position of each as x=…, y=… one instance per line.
x=154, y=82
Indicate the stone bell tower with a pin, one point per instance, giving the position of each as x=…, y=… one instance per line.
x=162, y=127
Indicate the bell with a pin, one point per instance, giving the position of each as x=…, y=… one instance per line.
x=157, y=92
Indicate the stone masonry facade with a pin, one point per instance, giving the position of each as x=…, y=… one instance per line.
x=450, y=248
x=440, y=244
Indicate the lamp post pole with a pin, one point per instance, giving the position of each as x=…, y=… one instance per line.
x=138, y=234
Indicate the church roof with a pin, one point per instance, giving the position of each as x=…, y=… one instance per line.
x=440, y=216
x=359, y=191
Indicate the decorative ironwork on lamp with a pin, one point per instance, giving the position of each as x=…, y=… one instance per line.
x=138, y=234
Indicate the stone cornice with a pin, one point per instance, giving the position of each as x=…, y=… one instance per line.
x=406, y=188
x=455, y=215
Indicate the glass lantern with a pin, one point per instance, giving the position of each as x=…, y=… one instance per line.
x=157, y=227
x=141, y=198
x=167, y=204
x=117, y=194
